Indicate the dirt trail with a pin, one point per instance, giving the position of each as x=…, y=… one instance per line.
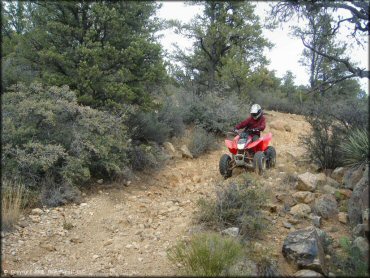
x=125, y=230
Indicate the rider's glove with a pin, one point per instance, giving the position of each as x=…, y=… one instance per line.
x=235, y=130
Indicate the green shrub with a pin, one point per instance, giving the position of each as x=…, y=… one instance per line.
x=170, y=115
x=355, y=148
x=145, y=127
x=212, y=112
x=145, y=157
x=235, y=206
x=201, y=141
x=47, y=134
x=351, y=263
x=322, y=143
x=207, y=254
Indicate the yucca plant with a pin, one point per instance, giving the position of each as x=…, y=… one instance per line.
x=206, y=254
x=12, y=195
x=356, y=148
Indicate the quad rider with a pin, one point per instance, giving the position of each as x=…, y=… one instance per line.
x=254, y=124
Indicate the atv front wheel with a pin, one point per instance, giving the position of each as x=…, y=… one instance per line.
x=224, y=166
x=270, y=154
x=259, y=162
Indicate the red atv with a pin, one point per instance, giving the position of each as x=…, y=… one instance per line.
x=257, y=155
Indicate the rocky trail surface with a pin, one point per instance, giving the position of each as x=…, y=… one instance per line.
x=126, y=230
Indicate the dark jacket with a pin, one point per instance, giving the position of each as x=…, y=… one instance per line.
x=250, y=123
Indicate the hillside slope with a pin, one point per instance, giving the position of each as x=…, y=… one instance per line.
x=126, y=230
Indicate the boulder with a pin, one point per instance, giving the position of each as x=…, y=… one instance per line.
x=316, y=221
x=362, y=244
x=307, y=182
x=342, y=217
x=307, y=273
x=359, y=201
x=169, y=148
x=301, y=210
x=331, y=182
x=328, y=189
x=233, y=231
x=245, y=266
x=286, y=199
x=338, y=174
x=37, y=211
x=185, y=152
x=304, y=197
x=352, y=176
x=360, y=229
x=343, y=194
x=304, y=249
x=326, y=206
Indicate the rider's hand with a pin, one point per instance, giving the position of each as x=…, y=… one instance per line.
x=235, y=130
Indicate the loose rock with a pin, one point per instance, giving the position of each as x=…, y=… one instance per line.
x=326, y=206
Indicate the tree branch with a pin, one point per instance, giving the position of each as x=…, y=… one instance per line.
x=357, y=72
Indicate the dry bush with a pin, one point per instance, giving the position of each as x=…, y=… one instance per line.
x=235, y=206
x=12, y=202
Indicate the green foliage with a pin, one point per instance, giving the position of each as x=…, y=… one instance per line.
x=322, y=143
x=228, y=43
x=46, y=133
x=235, y=206
x=352, y=262
x=143, y=157
x=355, y=148
x=201, y=141
x=145, y=126
x=207, y=254
x=106, y=52
x=212, y=112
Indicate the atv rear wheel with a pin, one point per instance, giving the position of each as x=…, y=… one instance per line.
x=270, y=154
x=224, y=166
x=259, y=162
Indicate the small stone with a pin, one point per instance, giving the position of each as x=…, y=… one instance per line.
x=300, y=210
x=342, y=217
x=36, y=211
x=287, y=225
x=48, y=247
x=316, y=221
x=100, y=181
x=307, y=273
x=233, y=231
x=95, y=257
x=83, y=204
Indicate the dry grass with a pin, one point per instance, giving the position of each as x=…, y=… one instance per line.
x=12, y=195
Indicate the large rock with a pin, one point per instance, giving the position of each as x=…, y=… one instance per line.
x=305, y=197
x=328, y=189
x=307, y=273
x=359, y=201
x=353, y=176
x=307, y=182
x=304, y=249
x=338, y=174
x=233, y=231
x=286, y=199
x=362, y=244
x=169, y=148
x=185, y=152
x=301, y=210
x=326, y=206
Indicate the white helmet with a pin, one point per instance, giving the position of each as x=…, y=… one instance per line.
x=256, y=111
